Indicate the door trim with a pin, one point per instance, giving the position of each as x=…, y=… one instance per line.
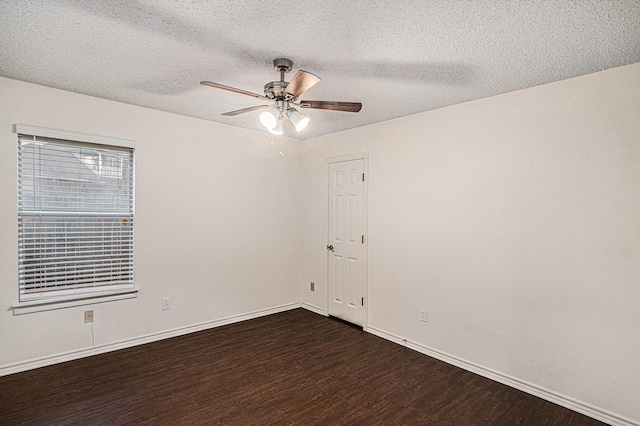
x=365, y=226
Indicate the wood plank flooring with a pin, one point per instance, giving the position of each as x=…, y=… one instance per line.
x=295, y=367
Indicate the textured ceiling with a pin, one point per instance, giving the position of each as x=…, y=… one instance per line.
x=397, y=58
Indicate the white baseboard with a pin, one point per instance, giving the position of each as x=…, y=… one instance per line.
x=114, y=346
x=313, y=308
x=556, y=398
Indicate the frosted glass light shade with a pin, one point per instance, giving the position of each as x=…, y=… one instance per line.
x=299, y=121
x=268, y=120
x=278, y=129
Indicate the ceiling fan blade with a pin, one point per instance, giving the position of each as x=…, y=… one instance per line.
x=332, y=105
x=242, y=111
x=300, y=83
x=233, y=89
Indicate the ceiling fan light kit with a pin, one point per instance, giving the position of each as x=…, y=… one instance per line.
x=282, y=96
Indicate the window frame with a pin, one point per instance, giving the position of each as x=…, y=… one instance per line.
x=57, y=301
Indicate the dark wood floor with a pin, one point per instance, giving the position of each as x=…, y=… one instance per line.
x=294, y=367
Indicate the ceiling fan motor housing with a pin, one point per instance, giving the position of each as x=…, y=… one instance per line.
x=275, y=89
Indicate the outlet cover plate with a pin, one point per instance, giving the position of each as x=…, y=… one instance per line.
x=423, y=315
x=166, y=303
x=88, y=316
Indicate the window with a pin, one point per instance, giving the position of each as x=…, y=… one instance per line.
x=75, y=215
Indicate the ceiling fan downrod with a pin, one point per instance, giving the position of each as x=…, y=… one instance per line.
x=283, y=65
x=275, y=89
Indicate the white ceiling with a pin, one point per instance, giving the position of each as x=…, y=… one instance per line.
x=397, y=58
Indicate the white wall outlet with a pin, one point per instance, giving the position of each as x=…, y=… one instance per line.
x=166, y=303
x=88, y=316
x=423, y=315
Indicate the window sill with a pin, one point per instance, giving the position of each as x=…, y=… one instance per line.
x=89, y=299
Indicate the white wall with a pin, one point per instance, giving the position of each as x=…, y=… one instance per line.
x=515, y=221
x=218, y=223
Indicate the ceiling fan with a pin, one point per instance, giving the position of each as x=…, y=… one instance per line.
x=282, y=96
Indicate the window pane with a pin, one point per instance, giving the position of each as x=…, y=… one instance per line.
x=74, y=177
x=75, y=218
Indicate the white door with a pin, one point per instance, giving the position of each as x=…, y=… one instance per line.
x=345, y=246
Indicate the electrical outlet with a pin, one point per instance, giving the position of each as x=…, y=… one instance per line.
x=166, y=303
x=88, y=316
x=313, y=286
x=423, y=315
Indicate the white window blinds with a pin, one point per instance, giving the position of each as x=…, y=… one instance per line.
x=75, y=218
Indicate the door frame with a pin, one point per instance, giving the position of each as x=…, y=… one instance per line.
x=365, y=227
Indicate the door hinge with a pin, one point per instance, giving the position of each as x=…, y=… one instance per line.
x=363, y=301
x=363, y=239
x=363, y=177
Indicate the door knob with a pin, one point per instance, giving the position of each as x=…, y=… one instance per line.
x=330, y=247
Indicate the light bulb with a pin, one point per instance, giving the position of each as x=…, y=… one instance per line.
x=278, y=129
x=299, y=121
x=268, y=120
